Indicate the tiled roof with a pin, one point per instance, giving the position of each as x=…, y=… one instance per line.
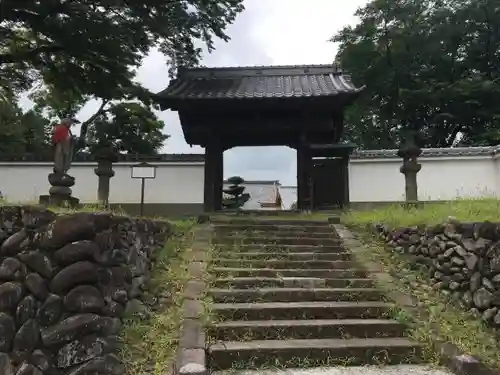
x=85, y=157
x=259, y=82
x=429, y=152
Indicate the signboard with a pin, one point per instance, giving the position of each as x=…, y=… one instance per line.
x=144, y=170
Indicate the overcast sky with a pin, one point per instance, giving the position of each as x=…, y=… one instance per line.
x=268, y=32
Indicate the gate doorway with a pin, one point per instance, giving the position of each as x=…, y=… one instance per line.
x=328, y=183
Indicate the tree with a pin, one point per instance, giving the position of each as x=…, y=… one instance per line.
x=429, y=65
x=129, y=128
x=21, y=133
x=11, y=131
x=37, y=133
x=237, y=198
x=92, y=48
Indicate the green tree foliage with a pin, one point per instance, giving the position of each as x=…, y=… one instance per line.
x=430, y=65
x=237, y=198
x=37, y=133
x=93, y=47
x=129, y=128
x=11, y=132
x=22, y=133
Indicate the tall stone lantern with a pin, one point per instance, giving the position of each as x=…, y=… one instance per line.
x=410, y=151
x=105, y=157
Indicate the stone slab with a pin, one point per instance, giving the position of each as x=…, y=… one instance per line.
x=355, y=370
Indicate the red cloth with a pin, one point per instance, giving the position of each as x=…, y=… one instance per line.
x=61, y=133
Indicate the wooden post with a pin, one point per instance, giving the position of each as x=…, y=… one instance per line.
x=218, y=179
x=213, y=176
x=345, y=174
x=303, y=176
x=208, y=199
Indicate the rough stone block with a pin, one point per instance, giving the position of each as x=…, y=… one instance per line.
x=194, y=289
x=192, y=335
x=192, y=362
x=192, y=309
x=65, y=282
x=196, y=270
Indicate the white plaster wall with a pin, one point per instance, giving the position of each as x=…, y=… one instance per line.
x=174, y=183
x=496, y=164
x=441, y=178
x=370, y=180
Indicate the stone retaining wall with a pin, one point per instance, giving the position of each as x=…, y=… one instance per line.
x=65, y=283
x=463, y=260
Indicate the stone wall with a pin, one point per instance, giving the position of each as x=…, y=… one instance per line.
x=65, y=284
x=463, y=260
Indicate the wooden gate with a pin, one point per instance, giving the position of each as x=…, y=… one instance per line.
x=328, y=183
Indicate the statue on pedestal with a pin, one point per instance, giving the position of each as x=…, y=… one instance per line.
x=64, y=145
x=61, y=183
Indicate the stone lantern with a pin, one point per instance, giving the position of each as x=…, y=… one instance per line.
x=410, y=151
x=105, y=157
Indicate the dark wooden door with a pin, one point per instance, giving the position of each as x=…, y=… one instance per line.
x=328, y=183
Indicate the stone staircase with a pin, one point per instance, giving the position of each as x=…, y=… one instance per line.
x=287, y=294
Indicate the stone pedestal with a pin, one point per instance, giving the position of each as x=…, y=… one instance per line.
x=60, y=191
x=104, y=171
x=410, y=151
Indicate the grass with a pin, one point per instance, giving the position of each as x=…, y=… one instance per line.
x=87, y=207
x=150, y=344
x=431, y=213
x=437, y=317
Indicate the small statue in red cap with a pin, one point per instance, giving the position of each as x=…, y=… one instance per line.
x=63, y=142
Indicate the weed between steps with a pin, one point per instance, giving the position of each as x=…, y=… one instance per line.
x=150, y=342
x=438, y=318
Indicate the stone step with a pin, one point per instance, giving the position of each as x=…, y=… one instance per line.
x=270, y=222
x=307, y=282
x=295, y=295
x=280, y=248
x=287, y=228
x=399, y=369
x=273, y=235
x=301, y=310
x=284, y=264
x=305, y=329
x=279, y=272
x=313, y=353
x=307, y=241
x=288, y=256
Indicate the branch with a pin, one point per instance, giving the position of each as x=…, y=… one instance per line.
x=85, y=125
x=9, y=58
